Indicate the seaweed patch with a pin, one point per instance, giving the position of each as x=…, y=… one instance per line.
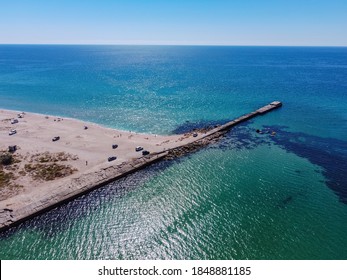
x=328, y=153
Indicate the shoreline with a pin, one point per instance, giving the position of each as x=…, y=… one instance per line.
x=91, y=146
x=82, y=121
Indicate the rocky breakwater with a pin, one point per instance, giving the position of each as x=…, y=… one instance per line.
x=194, y=146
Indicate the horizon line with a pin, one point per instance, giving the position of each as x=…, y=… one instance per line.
x=188, y=45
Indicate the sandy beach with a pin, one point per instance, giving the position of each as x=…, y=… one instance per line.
x=82, y=146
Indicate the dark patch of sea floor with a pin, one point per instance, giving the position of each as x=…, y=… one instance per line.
x=328, y=153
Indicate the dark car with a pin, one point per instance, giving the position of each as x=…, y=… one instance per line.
x=56, y=138
x=12, y=149
x=112, y=158
x=145, y=153
x=114, y=146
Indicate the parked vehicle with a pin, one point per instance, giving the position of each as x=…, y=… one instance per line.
x=138, y=149
x=114, y=146
x=14, y=121
x=12, y=149
x=12, y=132
x=112, y=158
x=56, y=138
x=145, y=153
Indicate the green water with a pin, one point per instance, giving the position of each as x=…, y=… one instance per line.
x=207, y=206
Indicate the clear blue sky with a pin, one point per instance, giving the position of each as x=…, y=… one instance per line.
x=213, y=22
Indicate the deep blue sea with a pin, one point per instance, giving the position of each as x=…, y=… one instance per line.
x=249, y=196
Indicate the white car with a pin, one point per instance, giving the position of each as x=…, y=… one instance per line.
x=13, y=131
x=14, y=121
x=137, y=149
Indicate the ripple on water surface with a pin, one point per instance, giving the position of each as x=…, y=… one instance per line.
x=260, y=202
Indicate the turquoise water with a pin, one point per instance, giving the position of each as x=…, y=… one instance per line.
x=249, y=196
